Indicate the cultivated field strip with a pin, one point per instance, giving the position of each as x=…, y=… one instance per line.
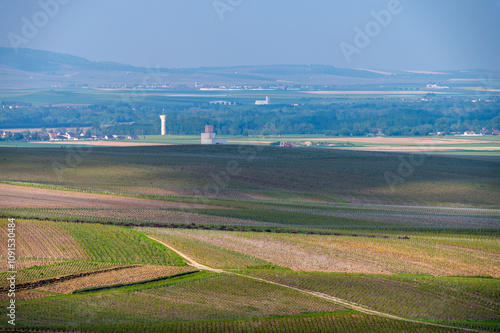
x=23, y=263
x=185, y=198
x=419, y=209
x=211, y=255
x=56, y=279
x=409, y=296
x=343, y=174
x=61, y=248
x=138, y=215
x=42, y=239
x=125, y=276
x=214, y=297
x=340, y=321
x=352, y=254
x=334, y=218
x=413, y=219
x=51, y=270
x=321, y=219
x=120, y=245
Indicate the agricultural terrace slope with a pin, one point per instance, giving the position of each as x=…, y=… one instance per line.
x=409, y=296
x=124, y=276
x=42, y=239
x=417, y=255
x=12, y=196
x=62, y=240
x=122, y=245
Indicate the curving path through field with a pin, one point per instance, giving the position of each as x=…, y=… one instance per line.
x=347, y=304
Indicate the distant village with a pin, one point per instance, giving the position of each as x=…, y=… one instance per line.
x=82, y=136
x=37, y=135
x=208, y=137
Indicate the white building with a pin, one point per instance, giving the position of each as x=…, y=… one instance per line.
x=435, y=86
x=209, y=137
x=71, y=136
x=222, y=103
x=267, y=101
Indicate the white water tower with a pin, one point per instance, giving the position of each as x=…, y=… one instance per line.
x=163, y=124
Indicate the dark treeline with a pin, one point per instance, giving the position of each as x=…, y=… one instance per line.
x=392, y=118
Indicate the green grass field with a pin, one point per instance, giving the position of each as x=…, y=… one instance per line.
x=115, y=244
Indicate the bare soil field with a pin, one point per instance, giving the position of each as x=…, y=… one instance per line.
x=416, y=149
x=392, y=144
x=403, y=141
x=128, y=275
x=12, y=196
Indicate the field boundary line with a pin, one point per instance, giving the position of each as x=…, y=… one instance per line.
x=131, y=284
x=362, y=309
x=40, y=283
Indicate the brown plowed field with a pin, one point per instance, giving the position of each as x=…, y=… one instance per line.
x=129, y=275
x=12, y=196
x=42, y=240
x=403, y=141
x=418, y=149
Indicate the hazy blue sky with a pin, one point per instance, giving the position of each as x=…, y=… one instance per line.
x=422, y=35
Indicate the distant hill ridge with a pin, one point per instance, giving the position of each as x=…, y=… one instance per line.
x=50, y=69
x=32, y=60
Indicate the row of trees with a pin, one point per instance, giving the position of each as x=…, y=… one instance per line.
x=346, y=119
x=27, y=135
